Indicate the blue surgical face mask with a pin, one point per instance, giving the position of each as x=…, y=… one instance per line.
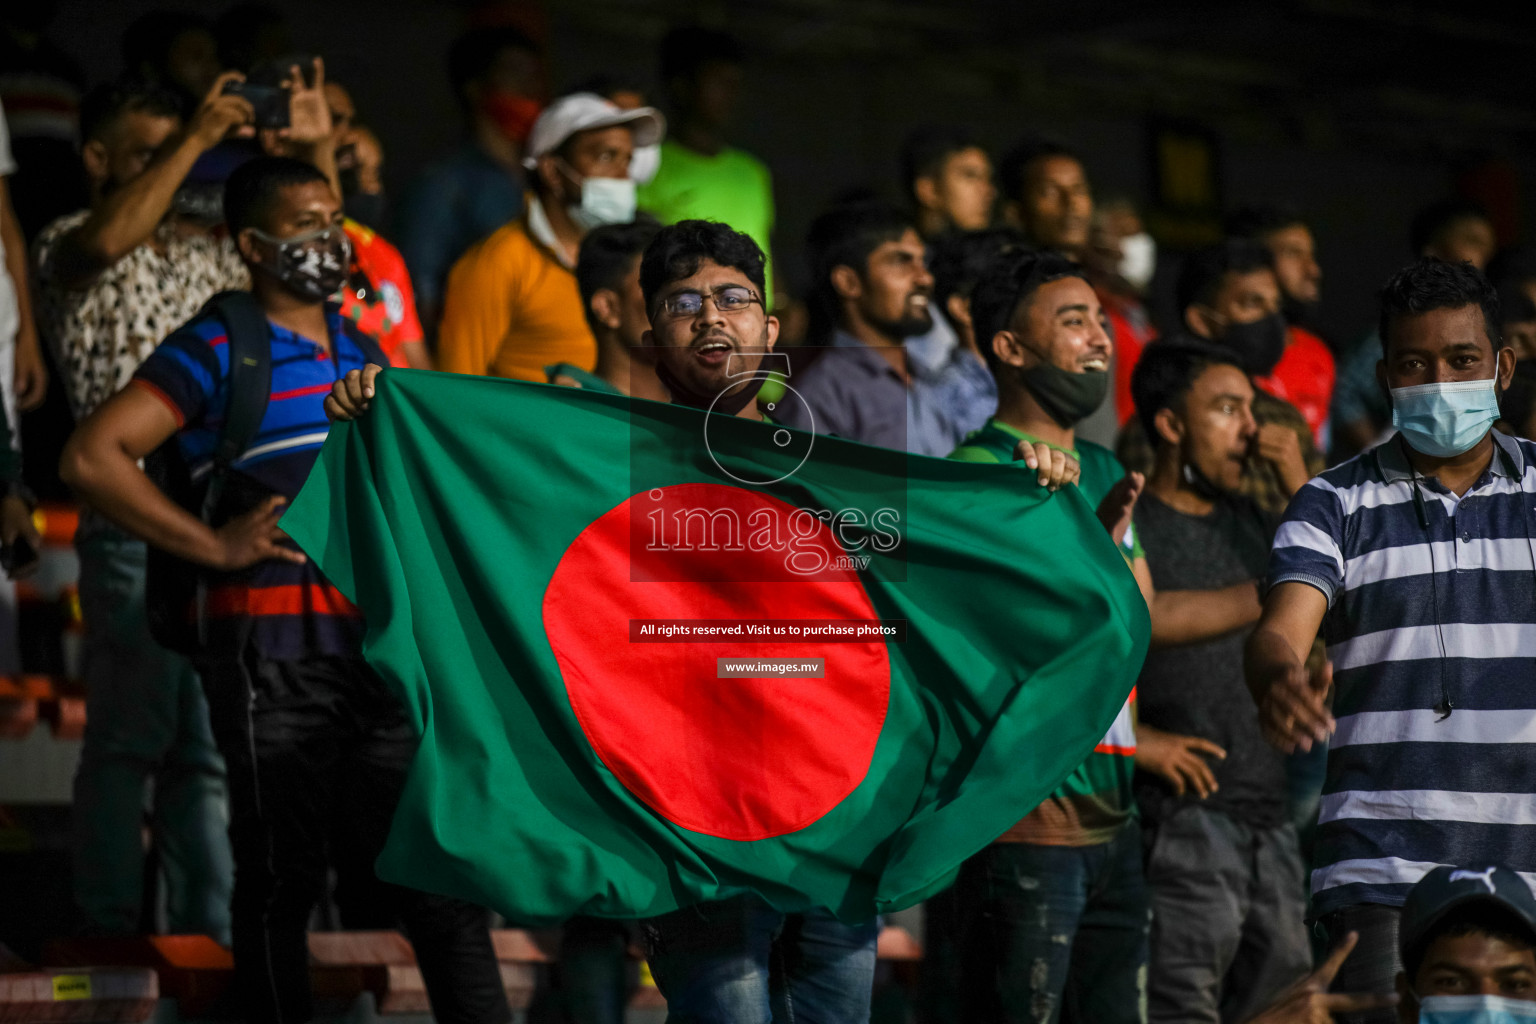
x=1448, y=418
x=1475, y=1010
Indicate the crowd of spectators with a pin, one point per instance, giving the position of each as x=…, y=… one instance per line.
x=1278, y=808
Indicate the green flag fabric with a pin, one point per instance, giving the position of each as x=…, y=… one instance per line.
x=658, y=656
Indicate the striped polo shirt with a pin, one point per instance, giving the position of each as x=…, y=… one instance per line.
x=1429, y=598
x=291, y=610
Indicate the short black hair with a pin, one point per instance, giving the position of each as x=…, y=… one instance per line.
x=251, y=190
x=104, y=105
x=1429, y=284
x=1015, y=163
x=607, y=254
x=149, y=37
x=845, y=236
x=1480, y=917
x=1007, y=282
x=958, y=259
x=1435, y=219
x=679, y=249
x=473, y=52
x=1167, y=370
x=687, y=48
x=1259, y=222
x=927, y=149
x=1204, y=270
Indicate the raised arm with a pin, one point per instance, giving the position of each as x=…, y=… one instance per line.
x=129, y=215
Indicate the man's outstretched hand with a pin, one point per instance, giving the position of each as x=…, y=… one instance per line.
x=350, y=396
x=1055, y=467
x=1180, y=761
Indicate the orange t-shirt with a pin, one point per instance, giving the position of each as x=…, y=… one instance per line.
x=1304, y=377
x=511, y=309
x=385, y=309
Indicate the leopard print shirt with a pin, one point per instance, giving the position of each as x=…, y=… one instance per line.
x=100, y=333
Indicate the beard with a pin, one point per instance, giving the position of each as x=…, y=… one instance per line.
x=905, y=326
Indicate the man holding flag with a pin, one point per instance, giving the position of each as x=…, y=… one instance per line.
x=574, y=762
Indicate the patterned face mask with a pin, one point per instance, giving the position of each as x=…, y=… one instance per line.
x=313, y=265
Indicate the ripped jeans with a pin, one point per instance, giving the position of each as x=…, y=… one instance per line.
x=1056, y=933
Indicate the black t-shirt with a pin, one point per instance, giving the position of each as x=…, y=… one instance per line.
x=1198, y=689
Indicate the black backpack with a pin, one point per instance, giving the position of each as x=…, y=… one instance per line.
x=175, y=589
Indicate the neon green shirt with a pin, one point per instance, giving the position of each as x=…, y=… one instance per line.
x=733, y=187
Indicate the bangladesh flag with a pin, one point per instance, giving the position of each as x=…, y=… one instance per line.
x=658, y=656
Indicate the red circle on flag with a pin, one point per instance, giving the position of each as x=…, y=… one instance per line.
x=739, y=759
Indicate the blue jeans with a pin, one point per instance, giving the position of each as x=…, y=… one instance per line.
x=1056, y=933
x=739, y=961
x=147, y=737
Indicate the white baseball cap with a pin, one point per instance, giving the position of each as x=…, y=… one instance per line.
x=584, y=111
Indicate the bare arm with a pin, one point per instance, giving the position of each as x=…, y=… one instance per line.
x=101, y=463
x=128, y=216
x=1292, y=703
x=1192, y=616
x=31, y=373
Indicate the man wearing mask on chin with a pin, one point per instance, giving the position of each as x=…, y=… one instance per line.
x=1416, y=559
x=1228, y=294
x=513, y=306
x=295, y=709
x=1086, y=922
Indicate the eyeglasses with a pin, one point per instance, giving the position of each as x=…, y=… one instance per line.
x=732, y=298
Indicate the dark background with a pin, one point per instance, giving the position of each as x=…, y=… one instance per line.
x=1356, y=111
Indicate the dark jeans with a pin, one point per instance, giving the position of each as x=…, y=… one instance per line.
x=592, y=971
x=1374, y=963
x=739, y=961
x=1228, y=933
x=1056, y=933
x=317, y=753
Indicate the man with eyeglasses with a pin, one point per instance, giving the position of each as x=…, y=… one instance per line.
x=736, y=959
x=512, y=306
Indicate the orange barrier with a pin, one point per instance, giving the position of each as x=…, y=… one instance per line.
x=79, y=994
x=193, y=969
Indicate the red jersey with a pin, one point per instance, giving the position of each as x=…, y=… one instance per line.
x=1132, y=332
x=378, y=296
x=1304, y=377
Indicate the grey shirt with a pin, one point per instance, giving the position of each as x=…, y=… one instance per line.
x=852, y=391
x=1198, y=689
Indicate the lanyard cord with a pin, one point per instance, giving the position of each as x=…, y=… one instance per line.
x=1446, y=706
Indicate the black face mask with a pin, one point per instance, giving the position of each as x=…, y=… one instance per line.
x=312, y=265
x=1067, y=397
x=730, y=404
x=1259, y=345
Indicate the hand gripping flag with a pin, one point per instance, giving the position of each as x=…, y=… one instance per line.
x=557, y=583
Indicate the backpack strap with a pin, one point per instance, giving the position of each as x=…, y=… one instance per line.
x=250, y=375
